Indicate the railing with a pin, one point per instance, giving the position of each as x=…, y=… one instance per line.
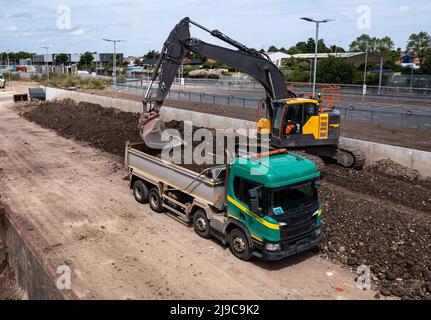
x=354, y=112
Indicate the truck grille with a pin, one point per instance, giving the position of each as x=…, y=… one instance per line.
x=299, y=225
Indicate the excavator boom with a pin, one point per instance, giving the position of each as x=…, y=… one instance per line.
x=174, y=50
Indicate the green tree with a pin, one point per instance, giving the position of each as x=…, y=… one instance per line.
x=311, y=46
x=272, y=49
x=62, y=58
x=419, y=43
x=335, y=70
x=360, y=43
x=426, y=65
x=384, y=46
x=85, y=62
x=151, y=55
x=308, y=47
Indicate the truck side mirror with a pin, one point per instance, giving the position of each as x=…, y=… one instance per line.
x=254, y=199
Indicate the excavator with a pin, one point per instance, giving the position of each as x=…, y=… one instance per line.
x=292, y=122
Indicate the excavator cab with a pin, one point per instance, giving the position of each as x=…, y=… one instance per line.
x=297, y=122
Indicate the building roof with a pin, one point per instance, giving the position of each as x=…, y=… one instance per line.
x=326, y=55
x=278, y=55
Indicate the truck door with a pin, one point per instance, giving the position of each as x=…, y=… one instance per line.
x=239, y=206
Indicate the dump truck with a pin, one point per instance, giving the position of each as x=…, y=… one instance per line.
x=264, y=205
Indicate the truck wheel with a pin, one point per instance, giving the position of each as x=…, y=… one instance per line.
x=238, y=245
x=140, y=191
x=155, y=201
x=201, y=224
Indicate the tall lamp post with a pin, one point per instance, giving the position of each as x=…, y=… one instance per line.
x=46, y=61
x=114, y=62
x=8, y=64
x=364, y=85
x=317, y=22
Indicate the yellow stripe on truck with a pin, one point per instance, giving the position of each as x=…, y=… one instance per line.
x=253, y=215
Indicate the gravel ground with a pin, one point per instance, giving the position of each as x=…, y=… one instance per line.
x=8, y=286
x=370, y=218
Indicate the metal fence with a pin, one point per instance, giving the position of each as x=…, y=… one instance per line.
x=384, y=92
x=354, y=112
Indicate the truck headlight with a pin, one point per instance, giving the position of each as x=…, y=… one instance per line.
x=272, y=246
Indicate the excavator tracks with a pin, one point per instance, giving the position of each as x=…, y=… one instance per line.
x=350, y=157
x=318, y=161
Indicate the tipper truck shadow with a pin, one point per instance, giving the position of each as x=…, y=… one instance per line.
x=265, y=205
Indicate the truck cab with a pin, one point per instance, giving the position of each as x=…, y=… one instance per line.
x=274, y=200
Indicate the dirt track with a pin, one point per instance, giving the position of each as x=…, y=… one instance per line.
x=80, y=210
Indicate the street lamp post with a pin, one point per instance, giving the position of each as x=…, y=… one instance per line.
x=114, y=62
x=317, y=22
x=380, y=74
x=8, y=64
x=46, y=61
x=364, y=85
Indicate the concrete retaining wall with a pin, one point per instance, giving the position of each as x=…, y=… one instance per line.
x=122, y=104
x=410, y=158
x=34, y=273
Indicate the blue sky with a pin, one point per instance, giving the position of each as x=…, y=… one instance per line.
x=29, y=25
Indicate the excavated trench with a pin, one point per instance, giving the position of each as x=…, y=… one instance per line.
x=378, y=217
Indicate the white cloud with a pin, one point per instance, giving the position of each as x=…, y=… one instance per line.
x=11, y=28
x=43, y=40
x=405, y=8
x=77, y=32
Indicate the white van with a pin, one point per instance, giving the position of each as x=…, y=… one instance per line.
x=2, y=81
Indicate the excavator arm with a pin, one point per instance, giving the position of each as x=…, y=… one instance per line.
x=175, y=48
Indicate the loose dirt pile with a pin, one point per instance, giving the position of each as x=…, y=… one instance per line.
x=104, y=128
x=390, y=168
x=383, y=223
x=370, y=218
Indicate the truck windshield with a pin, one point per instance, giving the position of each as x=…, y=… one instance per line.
x=290, y=198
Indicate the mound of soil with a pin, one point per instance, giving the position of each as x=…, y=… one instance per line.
x=393, y=169
x=103, y=128
x=392, y=240
x=370, y=218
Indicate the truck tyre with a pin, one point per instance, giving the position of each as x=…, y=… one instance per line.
x=238, y=245
x=201, y=224
x=155, y=201
x=140, y=191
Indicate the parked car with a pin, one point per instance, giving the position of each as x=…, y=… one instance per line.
x=2, y=81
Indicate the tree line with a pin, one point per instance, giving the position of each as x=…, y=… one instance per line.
x=338, y=70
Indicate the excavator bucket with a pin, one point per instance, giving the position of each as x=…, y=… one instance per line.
x=151, y=129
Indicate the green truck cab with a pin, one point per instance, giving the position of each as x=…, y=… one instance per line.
x=265, y=205
x=275, y=200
